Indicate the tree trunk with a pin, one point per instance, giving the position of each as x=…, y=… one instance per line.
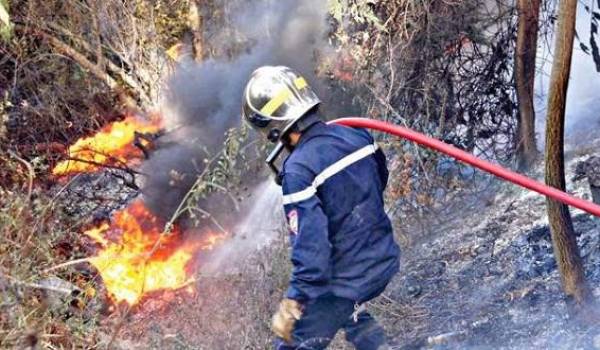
x=525, y=53
x=195, y=24
x=563, y=235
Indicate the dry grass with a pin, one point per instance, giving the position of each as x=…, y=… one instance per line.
x=40, y=310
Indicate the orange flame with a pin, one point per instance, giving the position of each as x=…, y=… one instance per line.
x=111, y=145
x=142, y=259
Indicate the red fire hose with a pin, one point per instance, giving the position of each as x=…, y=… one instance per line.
x=471, y=160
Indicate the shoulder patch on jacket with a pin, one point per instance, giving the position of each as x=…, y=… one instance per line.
x=293, y=221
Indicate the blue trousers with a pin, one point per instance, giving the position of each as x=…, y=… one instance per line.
x=322, y=318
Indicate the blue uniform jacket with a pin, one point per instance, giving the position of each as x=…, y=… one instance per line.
x=342, y=240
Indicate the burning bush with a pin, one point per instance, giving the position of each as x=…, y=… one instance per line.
x=137, y=257
x=113, y=145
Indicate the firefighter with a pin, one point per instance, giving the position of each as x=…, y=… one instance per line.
x=343, y=250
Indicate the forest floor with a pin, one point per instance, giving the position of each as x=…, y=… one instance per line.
x=481, y=275
x=487, y=279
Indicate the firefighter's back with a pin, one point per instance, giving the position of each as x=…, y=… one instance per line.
x=350, y=176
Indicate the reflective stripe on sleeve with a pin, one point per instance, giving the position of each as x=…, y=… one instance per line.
x=329, y=172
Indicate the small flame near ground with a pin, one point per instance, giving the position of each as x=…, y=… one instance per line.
x=112, y=145
x=136, y=258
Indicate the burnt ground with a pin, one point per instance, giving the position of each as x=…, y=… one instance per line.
x=488, y=280
x=479, y=274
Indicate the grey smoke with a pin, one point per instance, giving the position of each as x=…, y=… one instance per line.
x=202, y=101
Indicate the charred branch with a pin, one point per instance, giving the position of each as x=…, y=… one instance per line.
x=146, y=142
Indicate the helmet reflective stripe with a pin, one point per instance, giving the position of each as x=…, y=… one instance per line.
x=282, y=97
x=300, y=83
x=330, y=171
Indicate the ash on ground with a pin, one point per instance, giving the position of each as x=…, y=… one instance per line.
x=487, y=279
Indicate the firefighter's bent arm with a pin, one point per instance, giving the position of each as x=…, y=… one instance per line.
x=311, y=249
